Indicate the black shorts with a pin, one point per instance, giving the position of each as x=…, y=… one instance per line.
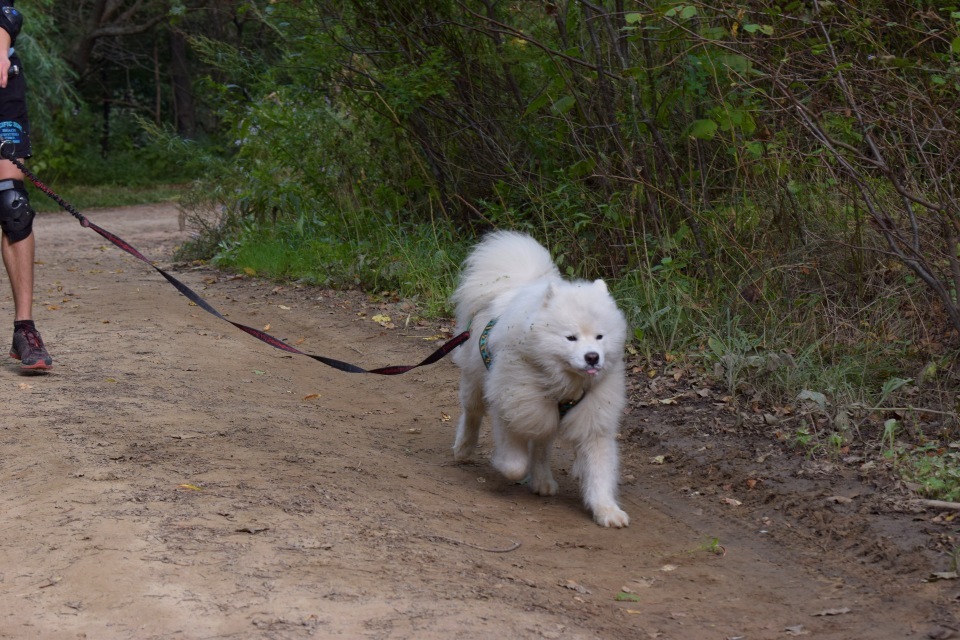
x=14, y=124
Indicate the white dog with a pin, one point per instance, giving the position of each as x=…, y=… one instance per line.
x=547, y=363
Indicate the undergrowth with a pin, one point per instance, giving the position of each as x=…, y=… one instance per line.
x=845, y=368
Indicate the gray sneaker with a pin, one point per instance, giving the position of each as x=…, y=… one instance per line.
x=29, y=350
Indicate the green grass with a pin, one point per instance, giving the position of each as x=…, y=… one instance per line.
x=416, y=262
x=85, y=197
x=935, y=468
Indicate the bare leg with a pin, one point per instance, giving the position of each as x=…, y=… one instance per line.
x=18, y=258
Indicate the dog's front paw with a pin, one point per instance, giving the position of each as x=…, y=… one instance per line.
x=544, y=486
x=611, y=516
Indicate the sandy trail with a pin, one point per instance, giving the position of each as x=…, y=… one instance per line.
x=175, y=478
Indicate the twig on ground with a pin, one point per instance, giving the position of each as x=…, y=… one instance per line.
x=513, y=547
x=940, y=504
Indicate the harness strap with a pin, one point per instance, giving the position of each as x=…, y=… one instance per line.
x=484, y=350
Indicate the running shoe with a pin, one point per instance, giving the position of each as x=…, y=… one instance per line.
x=29, y=350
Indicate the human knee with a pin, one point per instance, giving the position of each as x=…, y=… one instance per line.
x=16, y=214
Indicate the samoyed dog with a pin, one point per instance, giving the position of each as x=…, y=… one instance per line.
x=547, y=364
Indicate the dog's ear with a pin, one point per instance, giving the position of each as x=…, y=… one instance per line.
x=600, y=284
x=548, y=295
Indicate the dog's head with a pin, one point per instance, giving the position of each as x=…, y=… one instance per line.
x=580, y=326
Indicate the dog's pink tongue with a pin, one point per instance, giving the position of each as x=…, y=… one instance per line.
x=591, y=371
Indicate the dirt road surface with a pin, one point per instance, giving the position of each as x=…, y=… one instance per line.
x=175, y=478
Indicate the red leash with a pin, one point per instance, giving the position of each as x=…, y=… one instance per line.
x=191, y=295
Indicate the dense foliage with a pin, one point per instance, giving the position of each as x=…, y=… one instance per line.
x=786, y=160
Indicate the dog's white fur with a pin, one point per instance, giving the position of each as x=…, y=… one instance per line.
x=554, y=341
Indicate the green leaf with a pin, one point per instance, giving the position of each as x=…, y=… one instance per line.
x=623, y=596
x=955, y=45
x=703, y=129
x=633, y=18
x=765, y=29
x=716, y=346
x=583, y=168
x=536, y=105
x=564, y=104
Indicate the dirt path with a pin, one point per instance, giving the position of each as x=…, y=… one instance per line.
x=175, y=478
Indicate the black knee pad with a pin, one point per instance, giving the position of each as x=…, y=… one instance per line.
x=16, y=214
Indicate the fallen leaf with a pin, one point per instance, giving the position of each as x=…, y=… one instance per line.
x=943, y=575
x=444, y=417
x=623, y=596
x=796, y=630
x=266, y=327
x=24, y=386
x=311, y=396
x=52, y=581
x=833, y=612
x=658, y=459
x=574, y=586
x=250, y=271
x=284, y=307
x=731, y=501
x=253, y=530
x=383, y=321
x=189, y=487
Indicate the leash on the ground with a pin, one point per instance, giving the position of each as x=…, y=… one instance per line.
x=191, y=295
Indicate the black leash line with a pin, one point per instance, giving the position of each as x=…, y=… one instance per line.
x=191, y=295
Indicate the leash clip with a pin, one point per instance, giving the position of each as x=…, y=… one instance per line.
x=8, y=149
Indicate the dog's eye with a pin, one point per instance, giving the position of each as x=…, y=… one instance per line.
x=600, y=337
x=572, y=338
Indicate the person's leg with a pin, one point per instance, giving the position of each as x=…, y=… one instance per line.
x=18, y=258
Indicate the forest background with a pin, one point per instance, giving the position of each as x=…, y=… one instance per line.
x=770, y=186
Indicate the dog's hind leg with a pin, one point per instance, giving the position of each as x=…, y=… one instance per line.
x=541, y=477
x=471, y=415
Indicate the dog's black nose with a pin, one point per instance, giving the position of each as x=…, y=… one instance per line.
x=592, y=358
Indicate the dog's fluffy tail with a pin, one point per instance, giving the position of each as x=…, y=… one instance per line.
x=502, y=261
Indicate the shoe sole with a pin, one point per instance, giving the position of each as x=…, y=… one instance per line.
x=37, y=366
